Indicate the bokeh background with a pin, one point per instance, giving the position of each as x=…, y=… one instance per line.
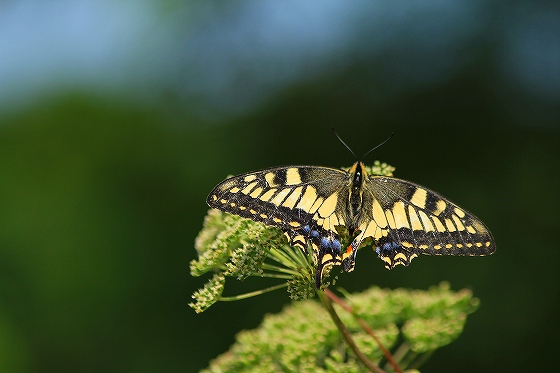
x=118, y=117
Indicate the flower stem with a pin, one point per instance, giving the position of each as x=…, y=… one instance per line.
x=253, y=293
x=345, y=334
x=366, y=327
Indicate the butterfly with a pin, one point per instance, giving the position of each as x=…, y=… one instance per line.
x=310, y=203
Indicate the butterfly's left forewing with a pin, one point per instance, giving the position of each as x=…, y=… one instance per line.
x=306, y=202
x=406, y=220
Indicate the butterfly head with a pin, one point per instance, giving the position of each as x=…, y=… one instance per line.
x=359, y=174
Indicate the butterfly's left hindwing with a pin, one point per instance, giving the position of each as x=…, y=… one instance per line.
x=303, y=201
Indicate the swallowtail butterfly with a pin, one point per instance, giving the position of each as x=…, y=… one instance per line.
x=308, y=203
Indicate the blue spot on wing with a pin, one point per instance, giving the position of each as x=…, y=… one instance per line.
x=336, y=245
x=387, y=246
x=332, y=244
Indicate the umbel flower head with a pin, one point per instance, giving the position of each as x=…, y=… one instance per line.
x=231, y=246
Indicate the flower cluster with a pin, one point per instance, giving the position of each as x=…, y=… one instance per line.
x=303, y=338
x=231, y=246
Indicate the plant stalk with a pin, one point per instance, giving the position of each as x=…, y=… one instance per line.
x=345, y=334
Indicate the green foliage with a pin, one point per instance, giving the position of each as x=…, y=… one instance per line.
x=303, y=338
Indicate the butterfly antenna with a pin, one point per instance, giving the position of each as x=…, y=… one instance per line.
x=377, y=146
x=343, y=143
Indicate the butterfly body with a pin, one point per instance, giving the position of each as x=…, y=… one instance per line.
x=309, y=204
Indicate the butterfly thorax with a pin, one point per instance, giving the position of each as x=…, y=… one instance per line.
x=358, y=175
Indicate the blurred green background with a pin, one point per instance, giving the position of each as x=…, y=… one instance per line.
x=117, y=119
